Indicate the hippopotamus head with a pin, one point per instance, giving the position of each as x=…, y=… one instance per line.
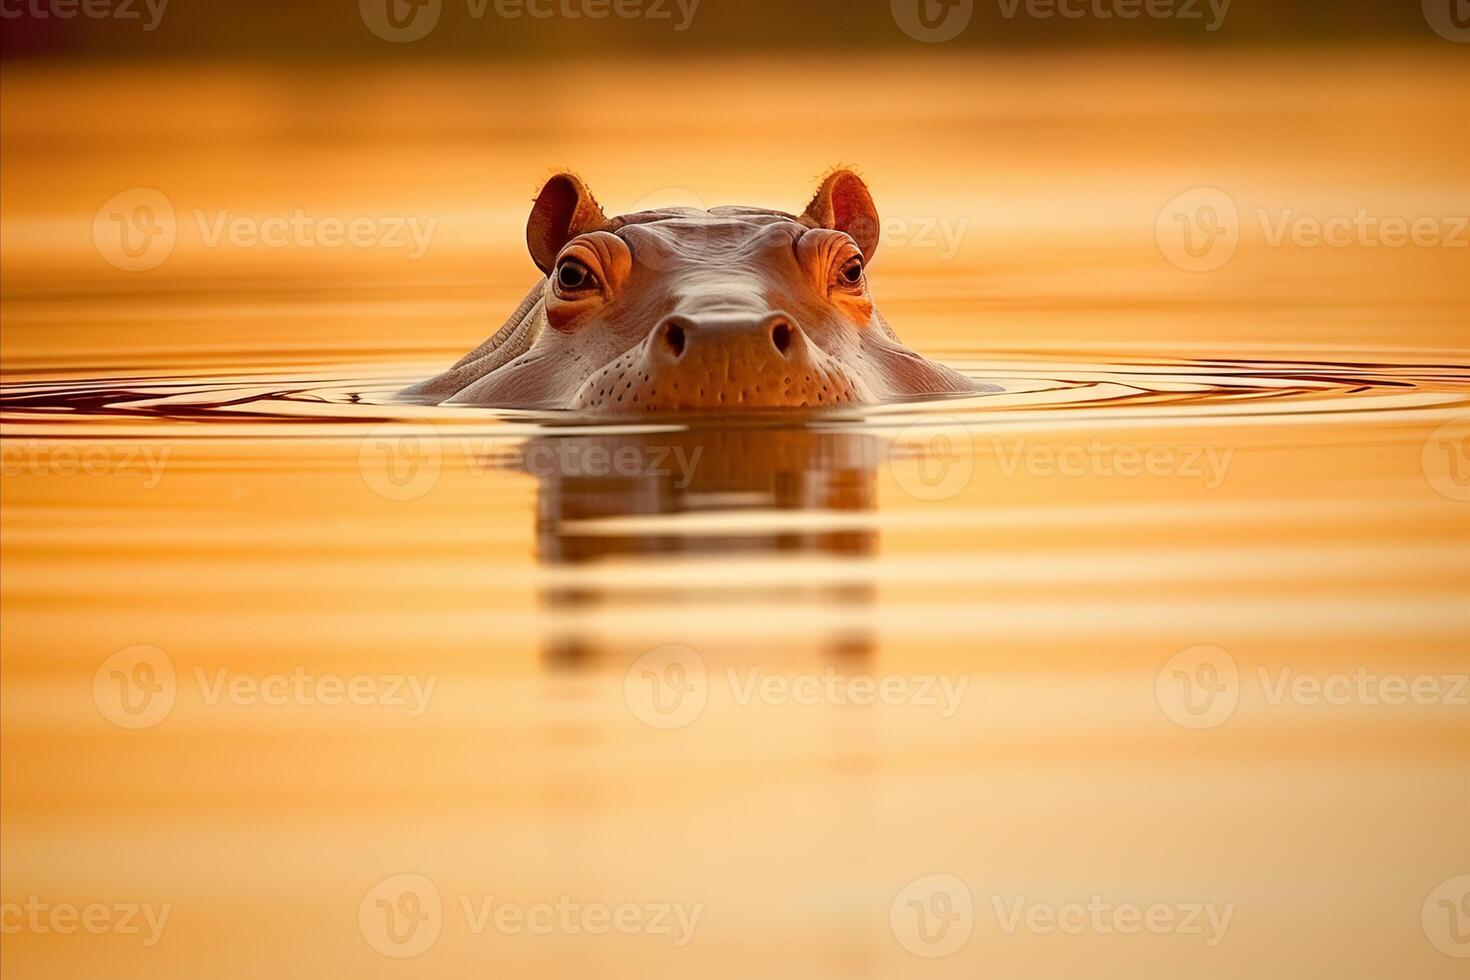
x=677, y=310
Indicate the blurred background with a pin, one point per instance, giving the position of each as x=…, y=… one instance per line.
x=282, y=30
x=1115, y=209
x=1031, y=152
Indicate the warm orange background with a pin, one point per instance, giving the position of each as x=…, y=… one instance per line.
x=268, y=545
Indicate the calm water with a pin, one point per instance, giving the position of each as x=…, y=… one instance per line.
x=1175, y=622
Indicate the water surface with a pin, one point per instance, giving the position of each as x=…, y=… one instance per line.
x=648, y=655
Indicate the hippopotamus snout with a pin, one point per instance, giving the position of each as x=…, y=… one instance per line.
x=721, y=360
x=713, y=342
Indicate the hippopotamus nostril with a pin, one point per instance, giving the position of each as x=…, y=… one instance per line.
x=781, y=337
x=673, y=339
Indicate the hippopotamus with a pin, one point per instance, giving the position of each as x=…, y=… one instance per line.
x=625, y=493
x=688, y=310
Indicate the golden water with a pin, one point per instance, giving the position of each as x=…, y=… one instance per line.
x=1267, y=461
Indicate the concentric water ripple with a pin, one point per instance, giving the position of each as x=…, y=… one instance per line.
x=1157, y=389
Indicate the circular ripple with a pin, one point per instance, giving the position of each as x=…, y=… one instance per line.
x=1158, y=389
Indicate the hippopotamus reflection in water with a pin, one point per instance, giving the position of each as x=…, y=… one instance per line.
x=610, y=502
x=687, y=310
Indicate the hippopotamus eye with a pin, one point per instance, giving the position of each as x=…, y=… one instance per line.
x=851, y=272
x=572, y=276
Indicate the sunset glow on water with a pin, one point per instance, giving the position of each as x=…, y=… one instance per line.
x=1150, y=664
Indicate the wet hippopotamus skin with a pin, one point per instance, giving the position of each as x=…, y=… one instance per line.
x=684, y=310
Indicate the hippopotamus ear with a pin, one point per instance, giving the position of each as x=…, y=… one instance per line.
x=844, y=204
x=563, y=210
